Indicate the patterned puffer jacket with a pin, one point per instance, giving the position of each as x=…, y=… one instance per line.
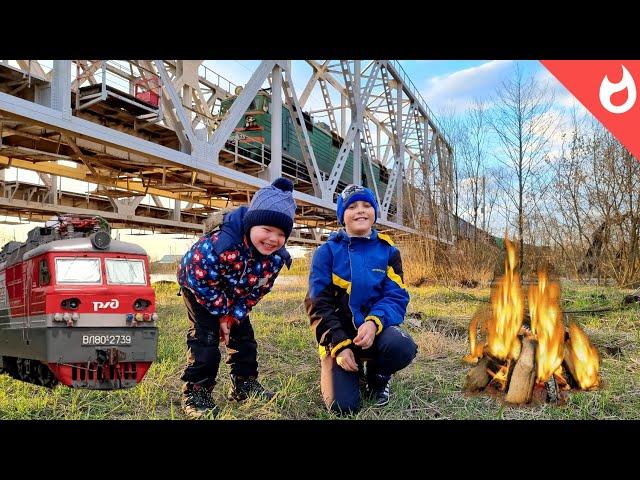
x=226, y=274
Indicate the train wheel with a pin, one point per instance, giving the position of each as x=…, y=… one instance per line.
x=10, y=366
x=24, y=369
x=44, y=376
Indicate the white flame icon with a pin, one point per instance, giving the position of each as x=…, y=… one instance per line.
x=608, y=88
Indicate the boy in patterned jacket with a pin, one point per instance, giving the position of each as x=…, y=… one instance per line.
x=356, y=302
x=222, y=277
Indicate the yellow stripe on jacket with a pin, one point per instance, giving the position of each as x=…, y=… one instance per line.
x=395, y=277
x=341, y=282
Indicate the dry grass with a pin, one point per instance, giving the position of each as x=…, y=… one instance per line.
x=430, y=388
x=465, y=264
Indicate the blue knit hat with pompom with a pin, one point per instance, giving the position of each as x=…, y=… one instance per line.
x=353, y=193
x=274, y=206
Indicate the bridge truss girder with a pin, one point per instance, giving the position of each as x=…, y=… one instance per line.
x=201, y=166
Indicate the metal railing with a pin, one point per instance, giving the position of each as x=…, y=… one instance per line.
x=416, y=93
x=216, y=79
x=121, y=76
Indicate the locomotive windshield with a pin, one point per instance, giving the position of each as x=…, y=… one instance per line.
x=78, y=270
x=129, y=272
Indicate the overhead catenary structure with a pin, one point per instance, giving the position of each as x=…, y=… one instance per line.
x=161, y=152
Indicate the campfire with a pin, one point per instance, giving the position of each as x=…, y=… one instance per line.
x=528, y=358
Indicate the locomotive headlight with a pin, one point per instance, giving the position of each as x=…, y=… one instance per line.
x=100, y=240
x=66, y=316
x=57, y=317
x=141, y=304
x=70, y=303
x=154, y=317
x=75, y=317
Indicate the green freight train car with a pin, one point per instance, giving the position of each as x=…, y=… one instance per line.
x=253, y=134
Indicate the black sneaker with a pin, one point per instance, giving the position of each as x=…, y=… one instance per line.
x=243, y=387
x=378, y=389
x=197, y=401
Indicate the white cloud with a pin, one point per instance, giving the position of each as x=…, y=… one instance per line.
x=567, y=100
x=543, y=75
x=458, y=90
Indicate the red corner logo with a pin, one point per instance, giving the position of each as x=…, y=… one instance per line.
x=608, y=89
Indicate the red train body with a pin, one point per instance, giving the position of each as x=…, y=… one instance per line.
x=76, y=308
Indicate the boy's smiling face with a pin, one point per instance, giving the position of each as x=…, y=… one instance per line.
x=359, y=217
x=267, y=239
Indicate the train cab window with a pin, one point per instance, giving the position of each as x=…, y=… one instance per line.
x=78, y=270
x=307, y=121
x=44, y=274
x=125, y=271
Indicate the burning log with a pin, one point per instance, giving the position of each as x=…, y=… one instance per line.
x=536, y=362
x=553, y=395
x=524, y=374
x=565, y=379
x=478, y=377
x=482, y=374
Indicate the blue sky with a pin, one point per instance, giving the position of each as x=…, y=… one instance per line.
x=457, y=82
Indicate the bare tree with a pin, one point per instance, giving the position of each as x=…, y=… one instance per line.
x=492, y=190
x=453, y=124
x=565, y=218
x=614, y=199
x=593, y=218
x=523, y=128
x=472, y=157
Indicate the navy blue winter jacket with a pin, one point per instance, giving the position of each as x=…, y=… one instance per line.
x=353, y=280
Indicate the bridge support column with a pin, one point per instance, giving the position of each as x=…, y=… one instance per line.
x=61, y=87
x=274, y=170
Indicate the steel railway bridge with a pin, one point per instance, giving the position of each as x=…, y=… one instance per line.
x=155, y=151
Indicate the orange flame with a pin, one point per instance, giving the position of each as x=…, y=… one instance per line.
x=546, y=325
x=563, y=383
x=500, y=377
x=583, y=357
x=508, y=311
x=476, y=348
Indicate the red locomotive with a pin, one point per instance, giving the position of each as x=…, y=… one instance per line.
x=76, y=307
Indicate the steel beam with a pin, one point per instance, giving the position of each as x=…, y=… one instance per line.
x=318, y=71
x=319, y=187
x=132, y=219
x=274, y=170
x=239, y=107
x=61, y=88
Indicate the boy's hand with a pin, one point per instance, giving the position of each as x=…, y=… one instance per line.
x=346, y=360
x=366, y=335
x=225, y=327
x=224, y=332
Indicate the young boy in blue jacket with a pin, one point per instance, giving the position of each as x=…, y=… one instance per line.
x=356, y=301
x=222, y=277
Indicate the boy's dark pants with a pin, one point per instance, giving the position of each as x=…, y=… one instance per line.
x=392, y=350
x=203, y=338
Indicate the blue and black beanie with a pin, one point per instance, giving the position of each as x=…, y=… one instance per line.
x=274, y=206
x=353, y=193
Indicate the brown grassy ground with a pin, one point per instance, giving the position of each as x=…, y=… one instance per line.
x=430, y=388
